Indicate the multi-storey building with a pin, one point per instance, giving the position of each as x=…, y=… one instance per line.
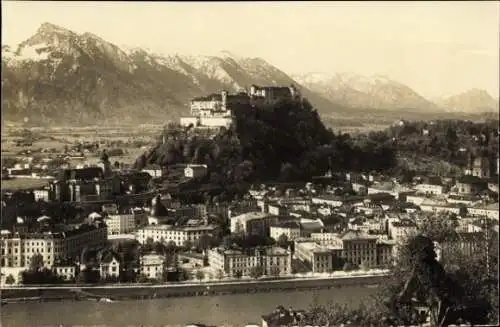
x=479, y=167
x=275, y=209
x=291, y=229
x=327, y=250
x=385, y=252
x=19, y=248
x=273, y=261
x=42, y=194
x=155, y=171
x=321, y=258
x=169, y=233
x=109, y=266
x=217, y=104
x=489, y=211
x=401, y=229
x=327, y=239
x=86, y=184
x=195, y=171
x=359, y=248
x=273, y=94
x=121, y=223
x=252, y=223
x=67, y=272
x=214, y=110
x=152, y=265
x=430, y=189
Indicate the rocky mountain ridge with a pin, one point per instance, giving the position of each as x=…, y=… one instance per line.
x=57, y=75
x=384, y=93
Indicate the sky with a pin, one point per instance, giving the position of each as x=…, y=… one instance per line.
x=436, y=48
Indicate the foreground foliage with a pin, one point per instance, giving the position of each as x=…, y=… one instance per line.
x=463, y=290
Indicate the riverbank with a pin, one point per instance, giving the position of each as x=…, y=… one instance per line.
x=135, y=291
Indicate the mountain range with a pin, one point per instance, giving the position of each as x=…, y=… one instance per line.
x=57, y=75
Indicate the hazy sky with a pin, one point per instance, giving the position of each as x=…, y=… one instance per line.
x=435, y=47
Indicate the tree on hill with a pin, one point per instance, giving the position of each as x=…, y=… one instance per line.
x=283, y=241
x=36, y=262
x=204, y=242
x=285, y=140
x=256, y=272
x=200, y=275
x=10, y=280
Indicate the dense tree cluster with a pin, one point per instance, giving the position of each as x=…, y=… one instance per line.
x=286, y=140
x=450, y=140
x=38, y=274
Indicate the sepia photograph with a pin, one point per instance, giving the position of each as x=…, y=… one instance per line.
x=250, y=164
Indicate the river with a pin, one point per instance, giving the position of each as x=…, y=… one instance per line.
x=223, y=310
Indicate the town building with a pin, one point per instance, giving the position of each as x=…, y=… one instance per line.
x=291, y=229
x=400, y=230
x=489, y=211
x=275, y=209
x=195, y=171
x=67, y=272
x=385, y=252
x=274, y=261
x=170, y=233
x=155, y=171
x=152, y=265
x=470, y=185
x=359, y=248
x=252, y=223
x=109, y=266
x=327, y=239
x=86, y=184
x=479, y=167
x=430, y=189
x=53, y=246
x=42, y=194
x=320, y=258
x=134, y=182
x=121, y=223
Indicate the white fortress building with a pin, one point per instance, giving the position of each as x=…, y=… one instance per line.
x=215, y=110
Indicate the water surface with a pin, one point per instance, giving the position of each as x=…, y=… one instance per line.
x=223, y=310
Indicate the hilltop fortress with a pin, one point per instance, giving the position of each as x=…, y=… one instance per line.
x=215, y=110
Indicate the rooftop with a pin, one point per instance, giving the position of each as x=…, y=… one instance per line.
x=357, y=235
x=469, y=179
x=314, y=247
x=88, y=173
x=287, y=224
x=210, y=97
x=179, y=228
x=251, y=216
x=404, y=223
